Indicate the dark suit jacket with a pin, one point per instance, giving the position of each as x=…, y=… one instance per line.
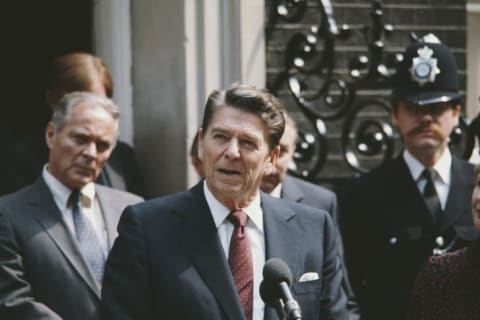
x=389, y=232
x=168, y=263
x=23, y=160
x=307, y=193
x=42, y=272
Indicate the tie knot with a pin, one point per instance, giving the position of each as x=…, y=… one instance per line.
x=428, y=173
x=74, y=198
x=238, y=218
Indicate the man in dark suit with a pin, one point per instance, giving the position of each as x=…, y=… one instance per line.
x=176, y=257
x=281, y=185
x=417, y=204
x=53, y=247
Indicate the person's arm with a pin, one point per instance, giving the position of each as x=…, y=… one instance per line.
x=126, y=291
x=333, y=303
x=16, y=297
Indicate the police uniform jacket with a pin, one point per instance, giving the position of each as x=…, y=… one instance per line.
x=389, y=232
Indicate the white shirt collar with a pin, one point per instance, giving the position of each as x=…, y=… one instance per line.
x=61, y=193
x=277, y=191
x=220, y=212
x=442, y=167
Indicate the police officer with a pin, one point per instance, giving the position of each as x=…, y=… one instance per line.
x=418, y=203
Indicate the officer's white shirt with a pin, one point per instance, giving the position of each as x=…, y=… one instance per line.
x=442, y=179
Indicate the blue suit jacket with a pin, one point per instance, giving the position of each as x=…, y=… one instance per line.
x=168, y=262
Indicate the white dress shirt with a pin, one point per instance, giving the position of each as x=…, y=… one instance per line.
x=442, y=178
x=255, y=234
x=277, y=191
x=90, y=206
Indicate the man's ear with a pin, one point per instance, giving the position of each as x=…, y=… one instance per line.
x=200, y=144
x=456, y=113
x=50, y=134
x=272, y=159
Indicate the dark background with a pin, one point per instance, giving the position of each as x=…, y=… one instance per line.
x=32, y=33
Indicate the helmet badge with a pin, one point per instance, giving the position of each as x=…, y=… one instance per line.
x=424, y=68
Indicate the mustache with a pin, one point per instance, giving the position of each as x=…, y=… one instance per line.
x=419, y=129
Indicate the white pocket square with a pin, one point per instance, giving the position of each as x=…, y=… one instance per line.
x=308, y=276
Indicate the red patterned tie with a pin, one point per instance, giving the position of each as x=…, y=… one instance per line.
x=240, y=261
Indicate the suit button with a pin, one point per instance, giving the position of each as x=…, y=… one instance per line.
x=393, y=240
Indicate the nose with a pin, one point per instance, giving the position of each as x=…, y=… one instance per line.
x=232, y=150
x=426, y=114
x=90, y=150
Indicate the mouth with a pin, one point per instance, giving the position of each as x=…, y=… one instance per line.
x=228, y=172
x=86, y=170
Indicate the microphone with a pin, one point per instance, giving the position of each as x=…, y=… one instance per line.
x=275, y=289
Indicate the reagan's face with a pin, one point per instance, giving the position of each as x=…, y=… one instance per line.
x=79, y=150
x=235, y=154
x=425, y=129
x=279, y=170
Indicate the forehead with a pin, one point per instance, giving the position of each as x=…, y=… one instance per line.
x=230, y=118
x=89, y=114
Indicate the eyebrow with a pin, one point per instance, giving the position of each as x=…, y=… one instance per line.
x=242, y=135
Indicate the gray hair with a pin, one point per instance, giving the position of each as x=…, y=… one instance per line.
x=69, y=101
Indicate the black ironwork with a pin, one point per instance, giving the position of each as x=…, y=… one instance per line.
x=324, y=96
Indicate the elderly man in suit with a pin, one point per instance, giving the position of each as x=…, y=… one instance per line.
x=55, y=234
x=199, y=254
x=282, y=185
x=417, y=204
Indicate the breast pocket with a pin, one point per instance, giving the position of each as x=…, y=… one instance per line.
x=308, y=296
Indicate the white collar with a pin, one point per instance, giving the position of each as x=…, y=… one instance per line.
x=442, y=167
x=220, y=212
x=61, y=193
x=277, y=191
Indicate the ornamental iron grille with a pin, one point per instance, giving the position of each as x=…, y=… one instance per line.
x=335, y=81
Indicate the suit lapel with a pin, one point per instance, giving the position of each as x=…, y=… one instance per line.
x=111, y=213
x=281, y=240
x=456, y=200
x=406, y=196
x=201, y=242
x=49, y=216
x=276, y=219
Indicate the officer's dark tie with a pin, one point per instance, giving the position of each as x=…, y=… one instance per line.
x=87, y=238
x=430, y=195
x=240, y=261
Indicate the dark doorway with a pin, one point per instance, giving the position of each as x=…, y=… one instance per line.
x=32, y=33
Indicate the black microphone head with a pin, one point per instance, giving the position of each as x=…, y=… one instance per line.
x=269, y=293
x=276, y=271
